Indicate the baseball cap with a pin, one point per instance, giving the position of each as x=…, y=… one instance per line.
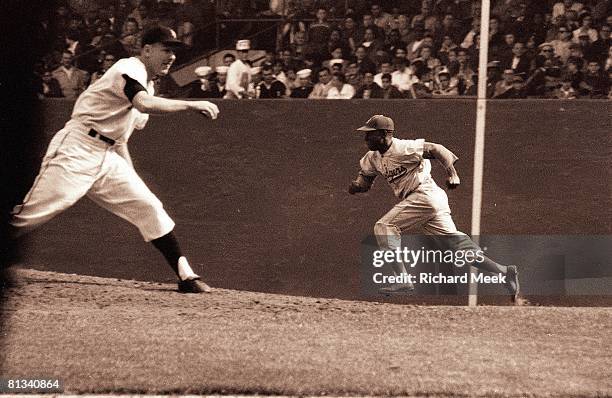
x=378, y=122
x=163, y=35
x=221, y=69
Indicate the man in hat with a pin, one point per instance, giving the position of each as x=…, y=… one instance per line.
x=405, y=164
x=89, y=156
x=270, y=87
x=201, y=88
x=239, y=73
x=218, y=86
x=304, y=84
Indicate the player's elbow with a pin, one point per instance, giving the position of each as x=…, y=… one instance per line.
x=143, y=102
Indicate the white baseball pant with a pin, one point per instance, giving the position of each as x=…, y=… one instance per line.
x=76, y=165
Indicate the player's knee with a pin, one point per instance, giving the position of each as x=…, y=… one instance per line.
x=382, y=228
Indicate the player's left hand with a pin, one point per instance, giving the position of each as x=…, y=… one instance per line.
x=453, y=181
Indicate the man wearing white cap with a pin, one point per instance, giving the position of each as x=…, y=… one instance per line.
x=200, y=88
x=304, y=85
x=239, y=73
x=218, y=85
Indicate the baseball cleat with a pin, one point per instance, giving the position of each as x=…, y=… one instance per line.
x=398, y=288
x=193, y=286
x=514, y=287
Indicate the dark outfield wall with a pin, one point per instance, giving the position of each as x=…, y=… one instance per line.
x=259, y=195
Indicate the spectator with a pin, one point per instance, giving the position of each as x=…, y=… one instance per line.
x=108, y=60
x=353, y=76
x=404, y=77
x=389, y=91
x=130, y=37
x=336, y=55
x=339, y=89
x=218, y=82
x=505, y=84
x=426, y=57
x=304, y=85
x=586, y=27
x=562, y=44
x=403, y=26
x=442, y=85
x=574, y=73
x=468, y=40
x=493, y=77
x=566, y=91
x=601, y=46
x=426, y=17
x=369, y=89
x=201, y=88
x=228, y=59
x=385, y=68
x=588, y=52
x=448, y=29
x=363, y=62
x=49, y=87
x=72, y=80
x=608, y=64
x=519, y=61
x=496, y=37
x=394, y=42
x=350, y=33
x=516, y=91
x=322, y=87
x=465, y=71
x=270, y=87
x=381, y=19
x=239, y=73
x=446, y=46
x=562, y=7
x=596, y=83
x=320, y=30
x=536, y=85
x=414, y=46
x=142, y=16
x=576, y=55
x=371, y=43
x=367, y=22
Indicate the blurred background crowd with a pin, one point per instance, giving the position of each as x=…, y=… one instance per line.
x=343, y=48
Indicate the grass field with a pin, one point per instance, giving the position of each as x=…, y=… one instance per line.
x=115, y=336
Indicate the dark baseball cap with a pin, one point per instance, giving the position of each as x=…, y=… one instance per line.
x=163, y=35
x=378, y=122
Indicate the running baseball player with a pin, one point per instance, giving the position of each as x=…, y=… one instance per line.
x=406, y=167
x=89, y=156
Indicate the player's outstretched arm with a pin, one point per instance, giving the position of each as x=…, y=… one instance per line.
x=446, y=158
x=362, y=183
x=147, y=103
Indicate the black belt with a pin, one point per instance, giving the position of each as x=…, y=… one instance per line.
x=95, y=134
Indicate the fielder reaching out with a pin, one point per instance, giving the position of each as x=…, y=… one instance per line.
x=89, y=156
x=405, y=165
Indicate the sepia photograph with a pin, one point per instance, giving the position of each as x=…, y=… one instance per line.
x=306, y=198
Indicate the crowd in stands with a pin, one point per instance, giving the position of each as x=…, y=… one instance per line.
x=363, y=49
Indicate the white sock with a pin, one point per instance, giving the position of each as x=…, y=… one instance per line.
x=184, y=270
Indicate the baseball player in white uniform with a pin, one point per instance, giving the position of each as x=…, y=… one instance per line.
x=406, y=167
x=89, y=156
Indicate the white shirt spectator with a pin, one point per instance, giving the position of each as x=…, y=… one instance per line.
x=347, y=92
x=403, y=80
x=238, y=79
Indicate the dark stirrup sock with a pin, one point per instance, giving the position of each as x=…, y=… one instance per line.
x=169, y=247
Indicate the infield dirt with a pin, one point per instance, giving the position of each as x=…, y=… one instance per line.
x=114, y=336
